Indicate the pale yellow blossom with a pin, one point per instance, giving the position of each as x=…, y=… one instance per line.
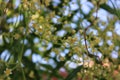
x=8, y=71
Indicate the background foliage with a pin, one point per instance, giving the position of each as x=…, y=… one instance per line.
x=59, y=40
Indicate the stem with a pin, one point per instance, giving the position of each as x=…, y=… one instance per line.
x=22, y=50
x=23, y=73
x=85, y=40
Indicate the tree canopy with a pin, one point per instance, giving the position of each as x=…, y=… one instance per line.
x=59, y=40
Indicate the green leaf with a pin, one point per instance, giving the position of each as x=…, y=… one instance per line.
x=73, y=73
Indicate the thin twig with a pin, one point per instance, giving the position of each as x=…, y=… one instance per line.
x=85, y=40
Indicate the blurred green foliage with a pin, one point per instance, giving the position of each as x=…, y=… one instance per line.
x=56, y=40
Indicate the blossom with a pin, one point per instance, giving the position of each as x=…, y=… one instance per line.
x=35, y=16
x=89, y=64
x=40, y=28
x=8, y=71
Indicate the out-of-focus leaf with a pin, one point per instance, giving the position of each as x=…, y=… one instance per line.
x=73, y=73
